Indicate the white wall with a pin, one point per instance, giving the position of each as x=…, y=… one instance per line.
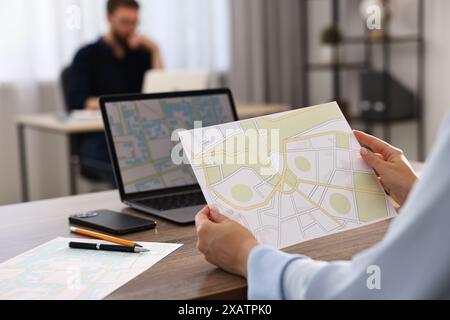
x=437, y=100
x=46, y=153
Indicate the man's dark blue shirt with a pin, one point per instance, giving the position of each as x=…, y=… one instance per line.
x=96, y=71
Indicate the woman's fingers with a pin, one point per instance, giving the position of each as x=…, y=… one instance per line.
x=202, y=217
x=216, y=216
x=377, y=145
x=373, y=160
x=208, y=215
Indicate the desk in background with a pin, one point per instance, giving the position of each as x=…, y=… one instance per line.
x=50, y=123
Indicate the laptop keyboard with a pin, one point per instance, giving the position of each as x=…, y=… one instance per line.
x=174, y=202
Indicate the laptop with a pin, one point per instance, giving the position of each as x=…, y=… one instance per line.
x=139, y=130
x=177, y=80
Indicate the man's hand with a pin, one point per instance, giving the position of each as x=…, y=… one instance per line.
x=138, y=41
x=92, y=104
x=224, y=243
x=391, y=166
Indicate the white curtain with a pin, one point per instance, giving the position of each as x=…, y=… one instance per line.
x=267, y=51
x=38, y=38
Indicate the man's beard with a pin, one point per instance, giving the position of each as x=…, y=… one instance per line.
x=121, y=41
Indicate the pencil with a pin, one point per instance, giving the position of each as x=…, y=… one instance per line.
x=101, y=236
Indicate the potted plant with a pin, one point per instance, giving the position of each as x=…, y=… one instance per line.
x=331, y=51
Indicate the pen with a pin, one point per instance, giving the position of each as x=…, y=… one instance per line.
x=105, y=247
x=102, y=236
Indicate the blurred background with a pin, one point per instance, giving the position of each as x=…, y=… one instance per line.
x=391, y=80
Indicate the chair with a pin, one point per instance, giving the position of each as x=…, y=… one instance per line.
x=94, y=171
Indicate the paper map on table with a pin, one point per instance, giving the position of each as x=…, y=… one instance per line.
x=304, y=180
x=55, y=272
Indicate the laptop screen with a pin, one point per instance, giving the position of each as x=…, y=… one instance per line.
x=142, y=133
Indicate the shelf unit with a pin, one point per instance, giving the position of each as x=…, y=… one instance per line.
x=366, y=63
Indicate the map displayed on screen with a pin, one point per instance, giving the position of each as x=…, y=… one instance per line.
x=142, y=134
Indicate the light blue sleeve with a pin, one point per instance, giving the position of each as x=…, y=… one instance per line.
x=411, y=262
x=265, y=269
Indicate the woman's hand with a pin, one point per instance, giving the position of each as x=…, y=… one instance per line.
x=390, y=164
x=224, y=243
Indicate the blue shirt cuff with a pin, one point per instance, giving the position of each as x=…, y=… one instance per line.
x=266, y=267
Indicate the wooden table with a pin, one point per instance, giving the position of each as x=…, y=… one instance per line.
x=182, y=275
x=52, y=124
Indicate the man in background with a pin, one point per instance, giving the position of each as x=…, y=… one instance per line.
x=114, y=64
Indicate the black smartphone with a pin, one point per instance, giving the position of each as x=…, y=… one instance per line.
x=112, y=222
